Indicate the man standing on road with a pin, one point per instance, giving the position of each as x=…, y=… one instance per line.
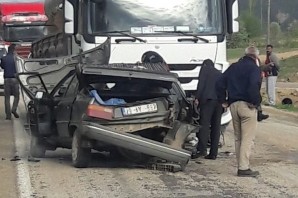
x=273, y=62
x=239, y=87
x=210, y=111
x=11, y=84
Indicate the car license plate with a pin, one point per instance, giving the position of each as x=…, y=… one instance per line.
x=148, y=108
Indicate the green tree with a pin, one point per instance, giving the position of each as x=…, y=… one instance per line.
x=252, y=5
x=240, y=39
x=252, y=24
x=275, y=33
x=293, y=29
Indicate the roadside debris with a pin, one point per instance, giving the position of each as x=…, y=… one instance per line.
x=16, y=158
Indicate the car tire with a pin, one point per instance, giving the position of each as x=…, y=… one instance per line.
x=37, y=149
x=80, y=156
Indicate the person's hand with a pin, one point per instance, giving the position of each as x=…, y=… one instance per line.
x=272, y=64
x=251, y=106
x=225, y=105
x=196, y=102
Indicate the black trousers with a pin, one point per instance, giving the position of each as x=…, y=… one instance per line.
x=11, y=87
x=210, y=120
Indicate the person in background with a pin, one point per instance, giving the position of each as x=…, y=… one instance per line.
x=210, y=111
x=239, y=88
x=260, y=116
x=273, y=62
x=11, y=84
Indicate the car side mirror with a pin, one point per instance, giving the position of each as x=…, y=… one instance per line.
x=62, y=91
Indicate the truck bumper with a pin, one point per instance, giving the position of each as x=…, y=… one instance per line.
x=135, y=143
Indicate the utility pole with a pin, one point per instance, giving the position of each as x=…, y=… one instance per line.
x=262, y=16
x=269, y=21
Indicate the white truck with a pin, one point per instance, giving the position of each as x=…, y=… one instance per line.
x=183, y=32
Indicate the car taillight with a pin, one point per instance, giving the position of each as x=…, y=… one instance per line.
x=98, y=111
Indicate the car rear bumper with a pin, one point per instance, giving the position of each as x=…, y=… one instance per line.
x=135, y=143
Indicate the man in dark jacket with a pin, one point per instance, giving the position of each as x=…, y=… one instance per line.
x=239, y=87
x=210, y=110
x=11, y=85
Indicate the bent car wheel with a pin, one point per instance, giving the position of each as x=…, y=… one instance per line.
x=37, y=149
x=80, y=155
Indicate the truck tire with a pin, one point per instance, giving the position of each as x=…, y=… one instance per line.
x=37, y=149
x=80, y=156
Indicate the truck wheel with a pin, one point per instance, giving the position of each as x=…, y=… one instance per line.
x=37, y=149
x=80, y=155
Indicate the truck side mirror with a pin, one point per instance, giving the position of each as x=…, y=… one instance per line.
x=68, y=17
x=232, y=8
x=235, y=9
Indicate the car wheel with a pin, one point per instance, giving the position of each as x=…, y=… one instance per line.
x=80, y=155
x=37, y=149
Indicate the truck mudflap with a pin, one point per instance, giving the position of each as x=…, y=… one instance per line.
x=135, y=143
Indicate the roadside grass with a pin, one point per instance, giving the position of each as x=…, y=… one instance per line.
x=235, y=53
x=289, y=69
x=239, y=52
x=289, y=108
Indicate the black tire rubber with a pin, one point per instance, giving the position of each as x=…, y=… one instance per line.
x=37, y=149
x=80, y=156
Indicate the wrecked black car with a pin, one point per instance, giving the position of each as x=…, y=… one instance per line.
x=137, y=110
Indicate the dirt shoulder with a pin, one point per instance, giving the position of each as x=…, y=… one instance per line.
x=7, y=151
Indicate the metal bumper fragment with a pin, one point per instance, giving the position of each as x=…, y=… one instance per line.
x=135, y=143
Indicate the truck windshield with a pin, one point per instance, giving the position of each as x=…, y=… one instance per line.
x=201, y=17
x=23, y=33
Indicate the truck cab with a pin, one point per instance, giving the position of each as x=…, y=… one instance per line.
x=22, y=23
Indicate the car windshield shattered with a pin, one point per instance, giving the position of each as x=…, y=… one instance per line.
x=82, y=102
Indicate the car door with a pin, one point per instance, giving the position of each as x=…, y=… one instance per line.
x=64, y=106
x=39, y=106
x=38, y=79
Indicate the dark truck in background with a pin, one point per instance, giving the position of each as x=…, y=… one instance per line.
x=22, y=23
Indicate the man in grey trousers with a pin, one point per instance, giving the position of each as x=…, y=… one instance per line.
x=11, y=84
x=272, y=62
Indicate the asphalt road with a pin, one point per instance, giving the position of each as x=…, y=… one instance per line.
x=276, y=157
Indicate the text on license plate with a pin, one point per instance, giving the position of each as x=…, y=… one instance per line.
x=147, y=108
